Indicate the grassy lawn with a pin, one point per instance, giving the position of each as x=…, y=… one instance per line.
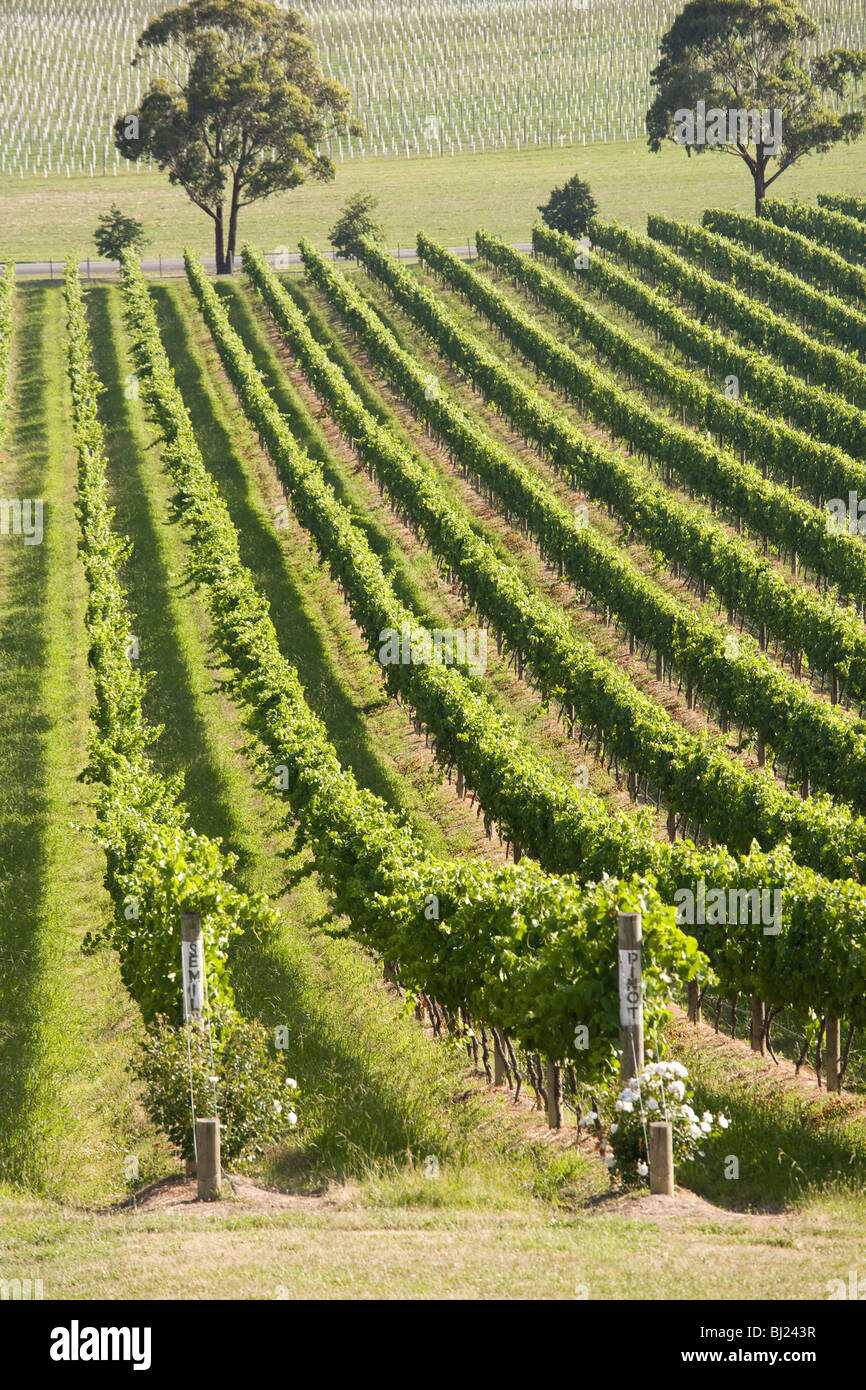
x=448, y=197
x=352, y=1245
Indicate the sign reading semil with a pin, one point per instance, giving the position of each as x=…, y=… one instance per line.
x=193, y=997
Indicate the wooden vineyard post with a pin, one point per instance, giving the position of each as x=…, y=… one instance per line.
x=757, y=1028
x=831, y=1054
x=553, y=1085
x=629, y=950
x=207, y=1131
x=630, y=994
x=207, y=1143
x=661, y=1159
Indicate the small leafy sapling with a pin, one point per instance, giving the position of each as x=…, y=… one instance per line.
x=357, y=220
x=116, y=233
x=570, y=209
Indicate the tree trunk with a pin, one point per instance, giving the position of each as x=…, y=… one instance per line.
x=233, y=229
x=219, y=242
x=758, y=176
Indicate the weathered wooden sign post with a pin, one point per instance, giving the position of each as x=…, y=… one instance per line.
x=661, y=1158
x=207, y=1143
x=192, y=954
x=630, y=957
x=207, y=1131
x=629, y=943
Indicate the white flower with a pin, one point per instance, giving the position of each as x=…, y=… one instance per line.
x=614, y=1128
x=724, y=1121
x=652, y=1103
x=290, y=1081
x=627, y=1094
x=707, y=1117
x=292, y=1118
x=609, y=1160
x=642, y=1169
x=677, y=1090
x=705, y=1126
x=278, y=1106
x=624, y=1105
x=689, y=1113
x=695, y=1131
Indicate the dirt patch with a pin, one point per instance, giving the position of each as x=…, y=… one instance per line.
x=683, y=1206
x=180, y=1191
x=687, y=1209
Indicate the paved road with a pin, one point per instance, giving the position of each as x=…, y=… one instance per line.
x=101, y=270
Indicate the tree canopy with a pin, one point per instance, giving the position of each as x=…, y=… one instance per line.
x=735, y=76
x=244, y=113
x=115, y=231
x=355, y=221
x=570, y=208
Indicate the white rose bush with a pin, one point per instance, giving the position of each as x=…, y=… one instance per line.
x=245, y=1078
x=659, y=1092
